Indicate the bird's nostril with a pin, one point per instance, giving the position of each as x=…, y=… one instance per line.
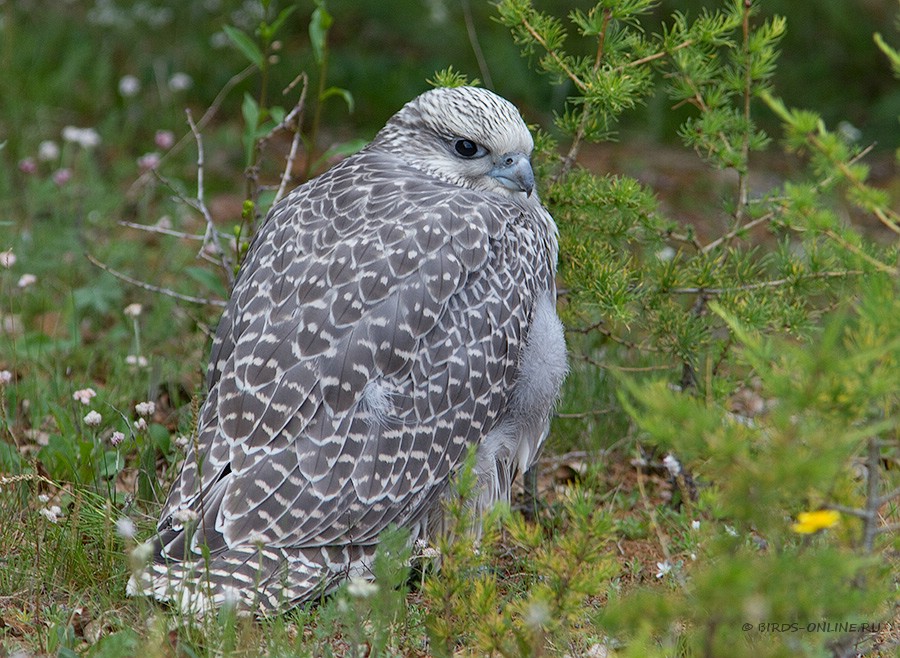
x=509, y=161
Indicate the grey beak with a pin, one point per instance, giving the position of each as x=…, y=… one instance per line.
x=513, y=171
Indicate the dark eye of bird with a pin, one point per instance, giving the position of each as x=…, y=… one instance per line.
x=466, y=148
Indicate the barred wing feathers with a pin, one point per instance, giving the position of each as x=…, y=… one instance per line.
x=373, y=335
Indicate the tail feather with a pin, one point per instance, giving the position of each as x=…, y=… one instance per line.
x=256, y=580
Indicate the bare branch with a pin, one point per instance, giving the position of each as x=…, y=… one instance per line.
x=476, y=46
x=655, y=56
x=582, y=87
x=294, y=121
x=212, y=235
x=235, y=80
x=585, y=414
x=600, y=328
x=150, y=228
x=888, y=497
x=764, y=284
x=769, y=216
x=873, y=477
x=152, y=288
x=849, y=511
x=877, y=264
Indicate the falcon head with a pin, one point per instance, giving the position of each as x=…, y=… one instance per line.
x=466, y=136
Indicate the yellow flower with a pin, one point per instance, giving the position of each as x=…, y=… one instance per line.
x=810, y=522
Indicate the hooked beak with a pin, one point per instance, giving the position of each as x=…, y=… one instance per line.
x=513, y=171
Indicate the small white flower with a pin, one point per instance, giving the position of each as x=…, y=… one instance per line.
x=672, y=465
x=133, y=310
x=185, y=516
x=848, y=132
x=426, y=551
x=181, y=442
x=731, y=531
x=84, y=395
x=90, y=138
x=86, y=138
x=665, y=254
x=360, y=588
x=26, y=280
x=129, y=86
x=5, y=377
x=142, y=553
x=48, y=150
x=537, y=614
x=136, y=360
x=7, y=258
x=71, y=134
x=116, y=438
x=145, y=408
x=92, y=419
x=140, y=425
x=52, y=513
x=43, y=498
x=125, y=528
x=180, y=82
x=219, y=40
x=695, y=525
x=663, y=568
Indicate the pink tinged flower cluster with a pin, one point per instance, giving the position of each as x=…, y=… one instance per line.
x=62, y=176
x=149, y=161
x=145, y=408
x=164, y=139
x=84, y=395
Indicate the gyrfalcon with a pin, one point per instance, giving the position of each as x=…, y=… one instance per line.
x=390, y=313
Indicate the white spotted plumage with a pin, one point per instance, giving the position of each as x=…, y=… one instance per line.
x=391, y=313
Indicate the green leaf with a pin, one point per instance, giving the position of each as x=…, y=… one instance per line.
x=337, y=91
x=207, y=279
x=277, y=113
x=120, y=643
x=450, y=78
x=59, y=458
x=10, y=459
x=160, y=437
x=245, y=44
x=111, y=464
x=101, y=297
x=318, y=30
x=250, y=110
x=892, y=55
x=269, y=30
